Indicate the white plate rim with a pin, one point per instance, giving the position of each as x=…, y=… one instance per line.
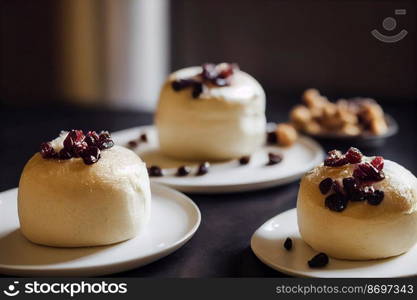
x=110, y=268
x=253, y=185
x=303, y=274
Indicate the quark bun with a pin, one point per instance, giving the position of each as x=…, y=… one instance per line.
x=66, y=203
x=222, y=123
x=361, y=231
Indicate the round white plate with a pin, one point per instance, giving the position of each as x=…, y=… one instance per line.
x=174, y=220
x=267, y=244
x=227, y=176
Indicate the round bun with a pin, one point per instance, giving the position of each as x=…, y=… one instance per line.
x=223, y=123
x=361, y=231
x=66, y=203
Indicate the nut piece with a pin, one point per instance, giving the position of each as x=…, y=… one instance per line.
x=286, y=134
x=346, y=117
x=313, y=127
x=313, y=99
x=300, y=115
x=378, y=126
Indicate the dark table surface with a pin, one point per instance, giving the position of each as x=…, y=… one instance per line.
x=220, y=248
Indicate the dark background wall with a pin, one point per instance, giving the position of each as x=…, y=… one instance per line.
x=292, y=45
x=288, y=45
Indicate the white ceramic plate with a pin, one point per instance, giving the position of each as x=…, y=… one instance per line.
x=267, y=244
x=227, y=176
x=174, y=220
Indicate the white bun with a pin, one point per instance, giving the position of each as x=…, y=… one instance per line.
x=362, y=231
x=223, y=123
x=66, y=203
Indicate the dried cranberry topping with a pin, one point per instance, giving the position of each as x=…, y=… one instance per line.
x=203, y=168
x=349, y=185
x=375, y=198
x=104, y=144
x=378, y=163
x=155, y=171
x=64, y=154
x=357, y=195
x=355, y=188
x=183, y=171
x=180, y=84
x=336, y=202
x=335, y=158
x=271, y=137
x=325, y=185
x=288, y=244
x=337, y=187
x=76, y=144
x=47, y=151
x=318, y=261
x=211, y=74
x=91, y=138
x=274, y=158
x=353, y=155
x=91, y=155
x=244, y=160
x=367, y=172
x=132, y=144
x=143, y=137
x=197, y=89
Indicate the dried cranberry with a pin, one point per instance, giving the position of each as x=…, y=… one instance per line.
x=180, y=84
x=104, y=135
x=47, y=151
x=378, y=163
x=73, y=137
x=271, y=137
x=65, y=154
x=318, y=261
x=91, y=155
x=367, y=172
x=357, y=195
x=155, y=171
x=143, y=137
x=203, y=168
x=335, y=158
x=349, y=185
x=288, y=244
x=105, y=144
x=132, y=144
x=91, y=138
x=336, y=202
x=183, y=171
x=325, y=185
x=78, y=149
x=209, y=72
x=337, y=187
x=197, y=89
x=274, y=158
x=244, y=160
x=375, y=198
x=353, y=155
x=227, y=71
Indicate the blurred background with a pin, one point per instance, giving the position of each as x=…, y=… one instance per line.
x=99, y=64
x=116, y=54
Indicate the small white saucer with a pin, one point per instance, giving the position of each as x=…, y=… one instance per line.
x=267, y=244
x=174, y=220
x=227, y=176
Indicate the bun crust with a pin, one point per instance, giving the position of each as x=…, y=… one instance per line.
x=66, y=203
x=223, y=123
x=361, y=231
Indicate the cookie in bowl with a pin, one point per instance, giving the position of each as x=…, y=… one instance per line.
x=212, y=112
x=357, y=207
x=82, y=190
